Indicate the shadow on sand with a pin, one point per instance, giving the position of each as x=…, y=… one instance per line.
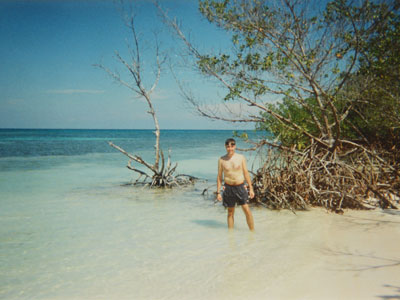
x=391, y=212
x=372, y=262
x=210, y=223
x=370, y=223
x=395, y=295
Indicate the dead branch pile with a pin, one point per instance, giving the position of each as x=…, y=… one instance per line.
x=164, y=176
x=357, y=179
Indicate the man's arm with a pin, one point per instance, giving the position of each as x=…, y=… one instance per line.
x=247, y=177
x=219, y=180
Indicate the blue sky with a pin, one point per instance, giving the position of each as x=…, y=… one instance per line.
x=47, y=52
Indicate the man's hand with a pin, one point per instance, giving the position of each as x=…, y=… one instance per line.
x=251, y=194
x=219, y=197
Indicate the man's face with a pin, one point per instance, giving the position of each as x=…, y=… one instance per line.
x=230, y=148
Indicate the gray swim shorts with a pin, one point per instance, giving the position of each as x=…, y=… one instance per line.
x=234, y=194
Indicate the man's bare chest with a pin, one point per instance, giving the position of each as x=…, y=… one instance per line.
x=232, y=165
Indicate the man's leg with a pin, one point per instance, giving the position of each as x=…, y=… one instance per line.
x=231, y=213
x=249, y=216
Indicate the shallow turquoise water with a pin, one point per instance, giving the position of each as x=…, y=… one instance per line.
x=75, y=232
x=71, y=229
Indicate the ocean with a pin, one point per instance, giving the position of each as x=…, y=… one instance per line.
x=71, y=227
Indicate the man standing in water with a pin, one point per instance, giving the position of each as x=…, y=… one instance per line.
x=232, y=169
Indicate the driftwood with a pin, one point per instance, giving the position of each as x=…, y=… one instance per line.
x=353, y=178
x=163, y=177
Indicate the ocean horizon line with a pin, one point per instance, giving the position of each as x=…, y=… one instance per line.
x=142, y=129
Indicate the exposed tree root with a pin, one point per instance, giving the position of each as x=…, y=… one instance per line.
x=164, y=177
x=357, y=179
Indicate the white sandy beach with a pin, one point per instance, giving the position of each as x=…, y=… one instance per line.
x=354, y=256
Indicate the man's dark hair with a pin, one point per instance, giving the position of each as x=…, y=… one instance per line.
x=230, y=141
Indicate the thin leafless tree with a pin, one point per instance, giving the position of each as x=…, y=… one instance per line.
x=161, y=173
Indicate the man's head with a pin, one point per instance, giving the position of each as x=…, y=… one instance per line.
x=230, y=145
x=230, y=142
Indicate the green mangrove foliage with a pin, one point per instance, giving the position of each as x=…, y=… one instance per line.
x=301, y=66
x=324, y=78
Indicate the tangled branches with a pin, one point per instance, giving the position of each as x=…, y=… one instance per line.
x=356, y=178
x=164, y=176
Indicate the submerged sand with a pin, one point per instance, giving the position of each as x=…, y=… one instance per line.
x=69, y=229
x=114, y=243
